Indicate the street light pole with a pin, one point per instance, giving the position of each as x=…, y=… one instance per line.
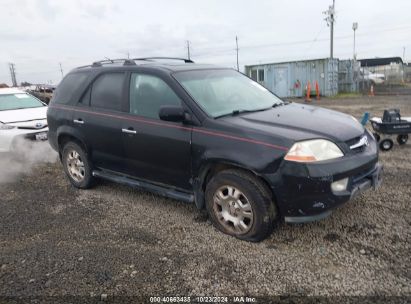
x=355, y=67
x=354, y=27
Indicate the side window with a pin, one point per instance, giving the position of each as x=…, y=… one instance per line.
x=85, y=99
x=148, y=93
x=107, y=91
x=68, y=87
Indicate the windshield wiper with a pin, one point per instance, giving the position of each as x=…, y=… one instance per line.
x=284, y=103
x=241, y=111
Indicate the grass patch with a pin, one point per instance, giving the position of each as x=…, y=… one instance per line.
x=346, y=95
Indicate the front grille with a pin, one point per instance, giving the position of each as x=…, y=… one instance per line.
x=32, y=128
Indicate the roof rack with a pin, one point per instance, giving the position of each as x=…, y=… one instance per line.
x=128, y=61
x=125, y=61
x=165, y=58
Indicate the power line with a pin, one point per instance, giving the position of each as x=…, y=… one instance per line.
x=297, y=42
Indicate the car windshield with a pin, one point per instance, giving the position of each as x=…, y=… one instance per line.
x=18, y=101
x=224, y=92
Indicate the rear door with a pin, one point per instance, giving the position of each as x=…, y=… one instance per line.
x=155, y=150
x=100, y=119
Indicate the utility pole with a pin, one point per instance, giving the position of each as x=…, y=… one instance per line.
x=330, y=22
x=188, y=50
x=13, y=74
x=61, y=70
x=236, y=49
x=403, y=53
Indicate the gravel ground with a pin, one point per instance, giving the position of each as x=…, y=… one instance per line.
x=113, y=240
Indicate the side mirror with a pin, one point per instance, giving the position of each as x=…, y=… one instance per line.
x=172, y=113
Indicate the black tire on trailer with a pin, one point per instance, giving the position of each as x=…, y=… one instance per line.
x=386, y=144
x=377, y=136
x=240, y=205
x=402, y=139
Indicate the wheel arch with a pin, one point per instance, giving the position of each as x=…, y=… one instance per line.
x=67, y=135
x=211, y=168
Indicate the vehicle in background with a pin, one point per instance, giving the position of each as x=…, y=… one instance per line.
x=374, y=78
x=43, y=92
x=22, y=117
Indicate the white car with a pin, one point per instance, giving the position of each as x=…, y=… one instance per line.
x=22, y=117
x=375, y=78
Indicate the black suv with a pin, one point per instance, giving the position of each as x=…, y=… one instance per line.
x=211, y=136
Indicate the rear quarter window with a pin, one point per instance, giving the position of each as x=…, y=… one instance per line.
x=107, y=91
x=68, y=88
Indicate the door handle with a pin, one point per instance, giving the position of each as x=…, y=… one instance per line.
x=129, y=131
x=78, y=121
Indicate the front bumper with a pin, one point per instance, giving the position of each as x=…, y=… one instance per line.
x=10, y=140
x=321, y=210
x=303, y=191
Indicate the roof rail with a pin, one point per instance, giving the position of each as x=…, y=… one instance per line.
x=125, y=61
x=165, y=58
x=128, y=61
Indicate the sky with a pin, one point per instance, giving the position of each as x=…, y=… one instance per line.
x=39, y=35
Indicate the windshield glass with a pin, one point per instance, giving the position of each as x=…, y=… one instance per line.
x=222, y=92
x=18, y=101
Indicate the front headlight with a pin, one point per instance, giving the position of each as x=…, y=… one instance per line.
x=6, y=127
x=313, y=150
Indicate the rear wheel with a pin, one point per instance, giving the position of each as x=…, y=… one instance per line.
x=240, y=205
x=77, y=166
x=402, y=139
x=386, y=144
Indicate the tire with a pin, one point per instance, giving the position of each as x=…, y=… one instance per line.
x=402, y=139
x=77, y=165
x=377, y=137
x=386, y=144
x=254, y=213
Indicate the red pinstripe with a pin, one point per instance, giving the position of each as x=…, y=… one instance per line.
x=158, y=123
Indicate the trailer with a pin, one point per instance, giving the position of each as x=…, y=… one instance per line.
x=389, y=125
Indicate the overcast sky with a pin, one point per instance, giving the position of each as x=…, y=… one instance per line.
x=37, y=35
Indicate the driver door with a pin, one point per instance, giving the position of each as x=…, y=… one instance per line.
x=156, y=150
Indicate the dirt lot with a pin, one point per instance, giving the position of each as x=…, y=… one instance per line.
x=115, y=240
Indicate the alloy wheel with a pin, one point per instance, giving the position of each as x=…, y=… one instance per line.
x=233, y=209
x=75, y=166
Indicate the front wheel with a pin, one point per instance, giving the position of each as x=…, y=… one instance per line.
x=386, y=144
x=77, y=166
x=402, y=139
x=240, y=205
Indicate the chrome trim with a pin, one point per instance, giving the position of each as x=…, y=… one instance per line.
x=129, y=131
x=306, y=218
x=362, y=142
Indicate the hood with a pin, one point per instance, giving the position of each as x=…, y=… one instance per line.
x=23, y=115
x=300, y=122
